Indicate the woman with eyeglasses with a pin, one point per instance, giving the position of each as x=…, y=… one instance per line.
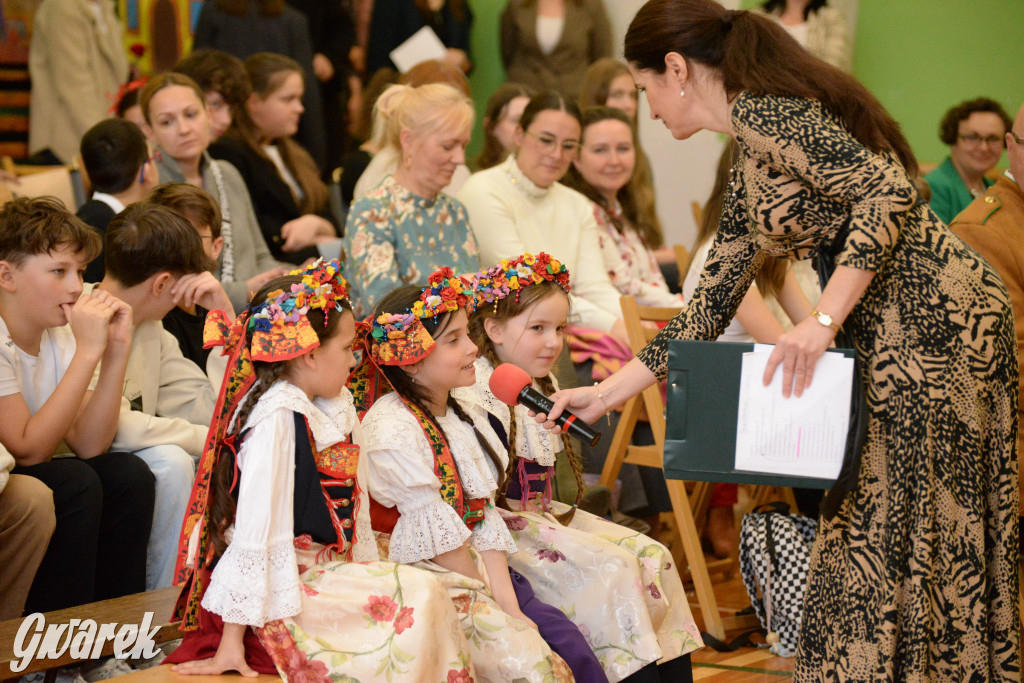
x=519, y=206
x=974, y=131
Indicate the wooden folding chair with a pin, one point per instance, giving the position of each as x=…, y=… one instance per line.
x=684, y=505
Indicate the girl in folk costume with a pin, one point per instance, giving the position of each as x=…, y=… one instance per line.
x=583, y=564
x=434, y=468
x=280, y=572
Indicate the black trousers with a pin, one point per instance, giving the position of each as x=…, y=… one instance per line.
x=104, y=508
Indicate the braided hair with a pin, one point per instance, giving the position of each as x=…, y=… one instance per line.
x=505, y=309
x=402, y=299
x=222, y=503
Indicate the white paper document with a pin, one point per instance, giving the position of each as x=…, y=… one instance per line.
x=803, y=436
x=419, y=47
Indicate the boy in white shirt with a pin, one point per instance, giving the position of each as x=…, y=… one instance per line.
x=52, y=404
x=154, y=259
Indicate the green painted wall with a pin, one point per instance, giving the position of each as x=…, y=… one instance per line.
x=488, y=72
x=921, y=57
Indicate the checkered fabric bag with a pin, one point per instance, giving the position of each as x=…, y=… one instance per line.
x=775, y=553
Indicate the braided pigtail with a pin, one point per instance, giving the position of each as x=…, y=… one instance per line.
x=547, y=387
x=222, y=503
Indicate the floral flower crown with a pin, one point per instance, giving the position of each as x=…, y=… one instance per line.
x=276, y=329
x=512, y=275
x=323, y=286
x=400, y=338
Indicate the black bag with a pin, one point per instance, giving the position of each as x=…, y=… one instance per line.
x=775, y=555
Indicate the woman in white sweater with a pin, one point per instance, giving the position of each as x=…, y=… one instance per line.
x=519, y=206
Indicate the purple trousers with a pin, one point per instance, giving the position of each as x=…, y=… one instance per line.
x=558, y=632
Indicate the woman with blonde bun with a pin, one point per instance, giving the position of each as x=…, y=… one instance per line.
x=406, y=227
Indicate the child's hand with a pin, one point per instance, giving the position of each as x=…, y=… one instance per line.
x=230, y=656
x=516, y=613
x=90, y=322
x=202, y=289
x=120, y=331
x=217, y=664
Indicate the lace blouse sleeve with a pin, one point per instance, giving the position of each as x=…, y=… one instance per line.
x=257, y=578
x=365, y=549
x=401, y=475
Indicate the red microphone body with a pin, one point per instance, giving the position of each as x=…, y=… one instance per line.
x=511, y=385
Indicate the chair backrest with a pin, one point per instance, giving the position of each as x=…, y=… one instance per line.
x=634, y=316
x=55, y=182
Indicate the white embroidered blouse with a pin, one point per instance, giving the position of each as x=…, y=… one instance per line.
x=256, y=580
x=401, y=475
x=533, y=442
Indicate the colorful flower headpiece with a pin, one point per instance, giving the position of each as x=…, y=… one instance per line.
x=278, y=325
x=401, y=338
x=512, y=275
x=445, y=292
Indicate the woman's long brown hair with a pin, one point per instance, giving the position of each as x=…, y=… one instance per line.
x=267, y=71
x=752, y=53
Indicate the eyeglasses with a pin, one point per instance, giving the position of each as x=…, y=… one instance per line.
x=551, y=145
x=1016, y=139
x=975, y=139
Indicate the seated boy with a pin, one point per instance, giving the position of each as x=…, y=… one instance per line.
x=168, y=402
x=52, y=404
x=186, y=320
x=116, y=159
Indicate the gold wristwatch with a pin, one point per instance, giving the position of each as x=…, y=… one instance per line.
x=826, y=320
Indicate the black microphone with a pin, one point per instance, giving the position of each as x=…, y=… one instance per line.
x=511, y=385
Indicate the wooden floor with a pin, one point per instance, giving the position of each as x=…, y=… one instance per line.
x=749, y=664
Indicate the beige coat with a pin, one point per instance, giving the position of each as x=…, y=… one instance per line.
x=167, y=399
x=77, y=63
x=586, y=37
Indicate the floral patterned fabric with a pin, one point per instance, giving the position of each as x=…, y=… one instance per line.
x=370, y=621
x=620, y=587
x=501, y=648
x=393, y=238
x=631, y=266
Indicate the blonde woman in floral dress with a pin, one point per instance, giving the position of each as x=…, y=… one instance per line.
x=406, y=227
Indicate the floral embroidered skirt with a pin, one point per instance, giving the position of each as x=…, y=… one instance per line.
x=371, y=621
x=501, y=648
x=620, y=587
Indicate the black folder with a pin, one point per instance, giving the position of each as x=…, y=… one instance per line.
x=703, y=406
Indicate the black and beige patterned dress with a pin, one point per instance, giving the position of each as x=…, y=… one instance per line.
x=915, y=578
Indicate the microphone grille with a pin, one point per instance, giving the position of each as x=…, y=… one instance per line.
x=507, y=381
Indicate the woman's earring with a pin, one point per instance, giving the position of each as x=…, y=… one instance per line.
x=682, y=91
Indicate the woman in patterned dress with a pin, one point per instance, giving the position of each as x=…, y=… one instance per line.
x=406, y=227
x=913, y=575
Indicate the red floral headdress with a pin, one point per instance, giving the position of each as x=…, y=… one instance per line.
x=401, y=338
x=512, y=275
